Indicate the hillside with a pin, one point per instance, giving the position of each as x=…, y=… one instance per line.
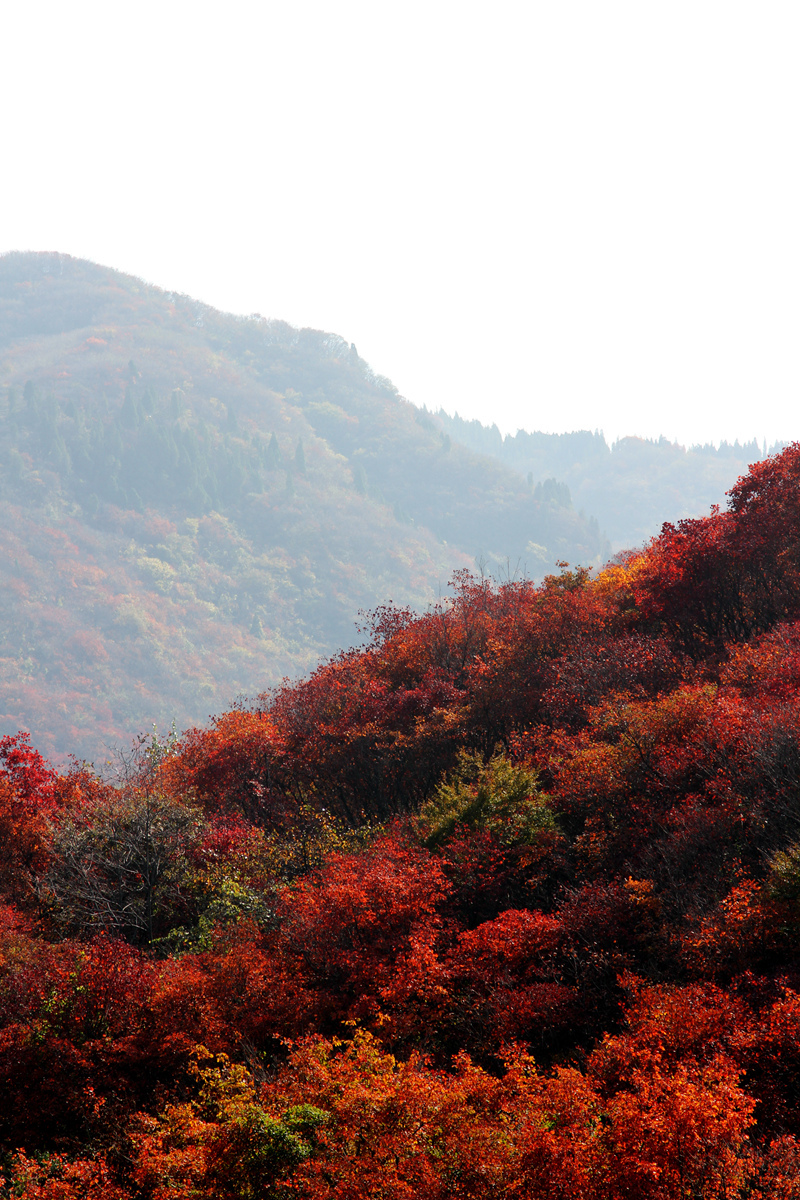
x=631, y=487
x=195, y=505
x=504, y=903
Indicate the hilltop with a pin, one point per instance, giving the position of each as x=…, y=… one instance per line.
x=194, y=505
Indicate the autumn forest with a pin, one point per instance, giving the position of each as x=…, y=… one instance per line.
x=502, y=902
x=194, y=506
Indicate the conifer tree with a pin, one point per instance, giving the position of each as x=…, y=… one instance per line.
x=273, y=455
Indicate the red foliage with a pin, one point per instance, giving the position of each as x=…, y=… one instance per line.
x=68, y=1018
x=728, y=576
x=29, y=793
x=31, y=777
x=656, y=836
x=229, y=765
x=348, y=926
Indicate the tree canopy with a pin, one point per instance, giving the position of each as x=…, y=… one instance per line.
x=503, y=903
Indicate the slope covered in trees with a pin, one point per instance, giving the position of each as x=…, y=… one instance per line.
x=505, y=903
x=631, y=486
x=195, y=505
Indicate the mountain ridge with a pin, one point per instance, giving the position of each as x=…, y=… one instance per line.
x=219, y=496
x=633, y=485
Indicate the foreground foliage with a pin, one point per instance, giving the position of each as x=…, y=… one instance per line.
x=504, y=904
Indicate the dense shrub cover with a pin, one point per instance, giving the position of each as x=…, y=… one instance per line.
x=505, y=903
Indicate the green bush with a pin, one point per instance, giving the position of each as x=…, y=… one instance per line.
x=496, y=795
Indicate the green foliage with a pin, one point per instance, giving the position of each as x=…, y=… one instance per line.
x=783, y=880
x=496, y=795
x=248, y=1149
x=257, y=1150
x=229, y=902
x=305, y=1119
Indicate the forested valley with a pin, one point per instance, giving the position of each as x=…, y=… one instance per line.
x=504, y=902
x=194, y=506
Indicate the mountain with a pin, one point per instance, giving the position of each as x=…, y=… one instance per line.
x=630, y=487
x=194, y=505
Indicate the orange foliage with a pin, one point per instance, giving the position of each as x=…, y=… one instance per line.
x=650, y=723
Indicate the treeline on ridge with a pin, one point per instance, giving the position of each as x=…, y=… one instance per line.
x=630, y=486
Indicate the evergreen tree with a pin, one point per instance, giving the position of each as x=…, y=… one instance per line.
x=273, y=456
x=300, y=458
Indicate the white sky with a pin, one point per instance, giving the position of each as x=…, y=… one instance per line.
x=551, y=215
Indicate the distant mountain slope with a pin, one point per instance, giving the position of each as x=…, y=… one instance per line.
x=193, y=505
x=632, y=486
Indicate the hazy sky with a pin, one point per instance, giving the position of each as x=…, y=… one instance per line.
x=550, y=215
